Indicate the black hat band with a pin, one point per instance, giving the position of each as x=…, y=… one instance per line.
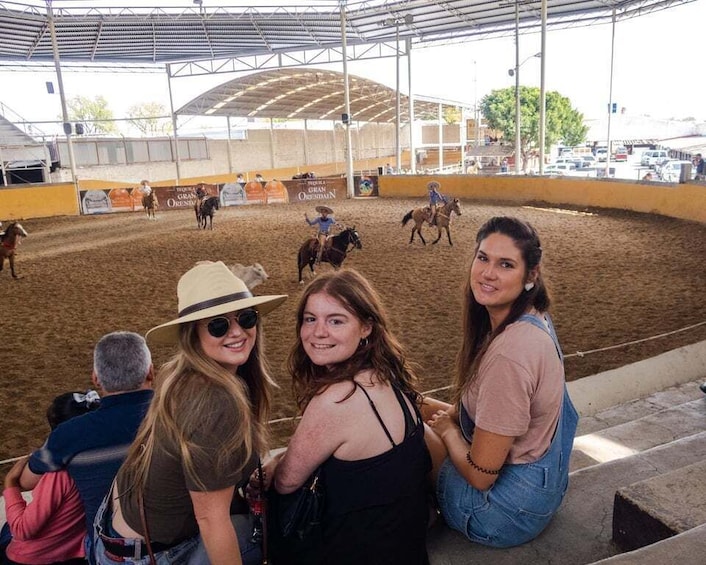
x=214, y=302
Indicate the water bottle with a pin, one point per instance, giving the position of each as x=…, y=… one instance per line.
x=257, y=503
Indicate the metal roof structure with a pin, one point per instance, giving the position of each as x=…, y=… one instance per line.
x=280, y=33
x=209, y=38
x=307, y=94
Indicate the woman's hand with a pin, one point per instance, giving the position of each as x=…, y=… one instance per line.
x=252, y=490
x=12, y=479
x=441, y=423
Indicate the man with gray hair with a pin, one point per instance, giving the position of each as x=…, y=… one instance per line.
x=93, y=446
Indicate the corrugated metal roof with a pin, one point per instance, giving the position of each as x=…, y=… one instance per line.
x=143, y=34
x=208, y=40
x=312, y=94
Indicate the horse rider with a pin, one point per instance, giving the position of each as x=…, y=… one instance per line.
x=435, y=198
x=325, y=222
x=145, y=190
x=201, y=193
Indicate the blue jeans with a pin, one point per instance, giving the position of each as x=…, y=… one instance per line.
x=189, y=552
x=522, y=501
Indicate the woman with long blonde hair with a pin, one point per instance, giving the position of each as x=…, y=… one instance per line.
x=177, y=494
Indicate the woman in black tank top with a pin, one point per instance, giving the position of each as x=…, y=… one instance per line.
x=360, y=425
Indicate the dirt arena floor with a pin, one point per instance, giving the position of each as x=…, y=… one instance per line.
x=615, y=276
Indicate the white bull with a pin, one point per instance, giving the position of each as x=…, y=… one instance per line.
x=252, y=275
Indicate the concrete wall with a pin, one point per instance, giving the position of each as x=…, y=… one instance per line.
x=684, y=201
x=279, y=153
x=38, y=201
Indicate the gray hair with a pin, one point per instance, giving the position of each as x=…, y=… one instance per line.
x=121, y=361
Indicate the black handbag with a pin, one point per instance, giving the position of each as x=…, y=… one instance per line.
x=299, y=513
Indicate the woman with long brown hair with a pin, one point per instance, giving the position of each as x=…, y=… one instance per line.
x=501, y=450
x=360, y=425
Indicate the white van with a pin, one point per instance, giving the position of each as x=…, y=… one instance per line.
x=652, y=158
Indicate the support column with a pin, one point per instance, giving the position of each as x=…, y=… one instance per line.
x=177, y=158
x=543, y=92
x=230, y=157
x=610, y=95
x=272, y=144
x=347, y=107
x=441, y=136
x=412, y=149
x=62, y=96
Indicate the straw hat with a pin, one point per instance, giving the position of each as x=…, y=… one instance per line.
x=206, y=290
x=322, y=209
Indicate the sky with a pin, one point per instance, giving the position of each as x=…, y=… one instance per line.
x=658, y=72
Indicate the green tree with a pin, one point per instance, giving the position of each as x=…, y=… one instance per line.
x=91, y=113
x=452, y=114
x=563, y=123
x=150, y=118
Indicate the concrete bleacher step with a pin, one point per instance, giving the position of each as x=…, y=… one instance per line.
x=615, y=448
x=688, y=548
x=581, y=531
x=630, y=437
x=649, y=511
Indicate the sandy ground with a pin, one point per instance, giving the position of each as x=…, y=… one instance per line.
x=616, y=277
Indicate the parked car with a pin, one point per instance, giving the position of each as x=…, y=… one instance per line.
x=601, y=154
x=588, y=161
x=671, y=170
x=621, y=154
x=653, y=157
x=559, y=168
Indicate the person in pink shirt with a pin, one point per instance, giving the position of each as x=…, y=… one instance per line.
x=50, y=529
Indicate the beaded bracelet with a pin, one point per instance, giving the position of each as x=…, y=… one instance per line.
x=479, y=468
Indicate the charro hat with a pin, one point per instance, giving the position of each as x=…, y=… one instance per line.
x=322, y=209
x=206, y=290
x=433, y=185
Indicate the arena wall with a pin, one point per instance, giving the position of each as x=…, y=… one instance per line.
x=684, y=201
x=38, y=201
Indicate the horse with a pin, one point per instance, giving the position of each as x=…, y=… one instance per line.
x=443, y=219
x=9, y=240
x=205, y=212
x=149, y=203
x=335, y=250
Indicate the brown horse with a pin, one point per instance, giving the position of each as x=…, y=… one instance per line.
x=149, y=203
x=9, y=240
x=442, y=220
x=335, y=250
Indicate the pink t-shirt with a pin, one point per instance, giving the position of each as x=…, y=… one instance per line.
x=50, y=528
x=519, y=390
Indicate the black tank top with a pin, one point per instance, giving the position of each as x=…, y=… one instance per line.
x=376, y=508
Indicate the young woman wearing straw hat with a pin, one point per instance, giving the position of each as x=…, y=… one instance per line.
x=325, y=222
x=176, y=495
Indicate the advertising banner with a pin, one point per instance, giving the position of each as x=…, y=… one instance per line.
x=95, y=202
x=233, y=194
x=365, y=186
x=180, y=197
x=316, y=190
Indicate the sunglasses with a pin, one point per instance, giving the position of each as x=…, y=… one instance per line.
x=218, y=327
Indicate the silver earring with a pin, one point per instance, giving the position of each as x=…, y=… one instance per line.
x=529, y=286
x=363, y=342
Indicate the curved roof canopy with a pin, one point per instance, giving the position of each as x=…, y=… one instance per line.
x=143, y=34
x=311, y=94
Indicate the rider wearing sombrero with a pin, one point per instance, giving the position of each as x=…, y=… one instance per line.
x=435, y=198
x=325, y=222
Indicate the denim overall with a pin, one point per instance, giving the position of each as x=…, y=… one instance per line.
x=525, y=497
